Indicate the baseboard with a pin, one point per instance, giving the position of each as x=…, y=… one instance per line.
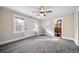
x=12, y=40
x=20, y=38
x=68, y=38
x=76, y=42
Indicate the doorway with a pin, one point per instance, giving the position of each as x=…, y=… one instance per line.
x=58, y=27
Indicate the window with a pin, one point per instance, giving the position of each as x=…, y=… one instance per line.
x=18, y=24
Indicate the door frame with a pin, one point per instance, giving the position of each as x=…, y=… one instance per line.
x=62, y=18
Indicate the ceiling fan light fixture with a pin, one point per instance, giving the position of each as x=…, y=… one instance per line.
x=41, y=14
x=42, y=10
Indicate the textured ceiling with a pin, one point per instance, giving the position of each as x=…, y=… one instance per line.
x=57, y=10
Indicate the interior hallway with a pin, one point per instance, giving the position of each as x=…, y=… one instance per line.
x=40, y=44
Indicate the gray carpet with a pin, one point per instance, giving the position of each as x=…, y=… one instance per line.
x=40, y=44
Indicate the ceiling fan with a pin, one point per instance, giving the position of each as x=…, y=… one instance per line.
x=42, y=11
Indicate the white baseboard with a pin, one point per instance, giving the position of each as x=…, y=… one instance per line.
x=76, y=43
x=12, y=40
x=68, y=38
x=20, y=38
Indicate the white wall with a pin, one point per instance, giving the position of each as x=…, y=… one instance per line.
x=48, y=25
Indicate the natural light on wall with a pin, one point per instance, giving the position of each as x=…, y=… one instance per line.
x=35, y=27
x=49, y=32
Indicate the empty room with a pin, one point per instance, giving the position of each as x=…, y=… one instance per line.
x=39, y=29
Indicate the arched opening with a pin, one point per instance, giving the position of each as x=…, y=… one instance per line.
x=58, y=28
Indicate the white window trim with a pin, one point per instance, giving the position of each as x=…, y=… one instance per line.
x=14, y=25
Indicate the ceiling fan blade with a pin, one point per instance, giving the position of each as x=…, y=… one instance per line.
x=42, y=9
x=48, y=11
x=35, y=12
x=44, y=14
x=38, y=14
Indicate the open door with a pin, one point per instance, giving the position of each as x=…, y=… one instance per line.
x=58, y=28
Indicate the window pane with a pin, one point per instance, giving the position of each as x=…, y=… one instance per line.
x=19, y=24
